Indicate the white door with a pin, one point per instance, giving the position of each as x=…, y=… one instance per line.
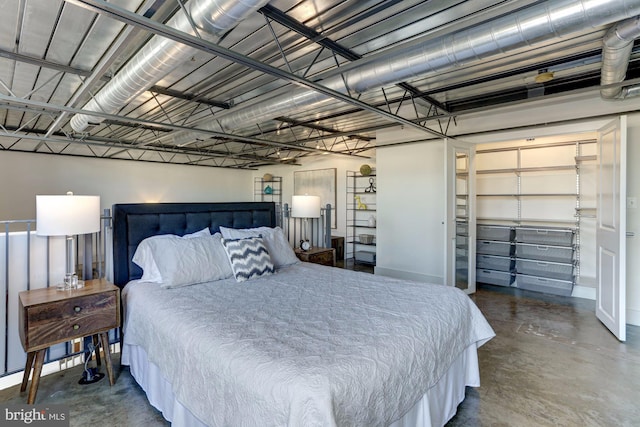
x=611, y=227
x=460, y=216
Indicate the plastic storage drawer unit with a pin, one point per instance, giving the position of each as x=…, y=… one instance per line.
x=494, y=232
x=541, y=284
x=490, y=247
x=552, y=270
x=492, y=277
x=545, y=236
x=492, y=262
x=544, y=252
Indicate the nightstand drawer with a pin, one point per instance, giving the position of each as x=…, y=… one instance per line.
x=70, y=318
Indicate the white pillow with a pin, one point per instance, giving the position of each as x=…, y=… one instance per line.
x=274, y=240
x=175, y=261
x=204, y=232
x=183, y=262
x=143, y=257
x=249, y=258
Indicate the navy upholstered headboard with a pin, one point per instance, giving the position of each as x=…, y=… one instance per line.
x=134, y=222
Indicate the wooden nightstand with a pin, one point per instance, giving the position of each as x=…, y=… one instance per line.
x=49, y=316
x=324, y=256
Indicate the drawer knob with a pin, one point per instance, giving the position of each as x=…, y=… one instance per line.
x=76, y=327
x=77, y=309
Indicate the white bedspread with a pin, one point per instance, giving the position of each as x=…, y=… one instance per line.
x=308, y=346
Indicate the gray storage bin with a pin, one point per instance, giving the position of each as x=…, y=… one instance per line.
x=545, y=252
x=552, y=270
x=494, y=232
x=492, y=262
x=493, y=277
x=461, y=241
x=541, y=284
x=490, y=247
x=545, y=236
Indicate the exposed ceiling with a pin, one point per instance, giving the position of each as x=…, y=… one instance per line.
x=247, y=83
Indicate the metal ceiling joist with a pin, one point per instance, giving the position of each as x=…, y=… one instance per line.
x=283, y=19
x=292, y=122
x=134, y=19
x=43, y=63
x=125, y=146
x=189, y=97
x=38, y=106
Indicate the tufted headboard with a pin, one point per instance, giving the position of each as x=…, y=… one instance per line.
x=134, y=222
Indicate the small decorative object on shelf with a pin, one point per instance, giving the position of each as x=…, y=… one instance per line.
x=361, y=205
x=366, y=239
x=267, y=177
x=372, y=221
x=268, y=190
x=365, y=170
x=372, y=186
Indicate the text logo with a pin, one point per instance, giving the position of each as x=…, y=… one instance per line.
x=34, y=415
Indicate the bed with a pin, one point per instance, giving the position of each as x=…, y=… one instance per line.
x=297, y=344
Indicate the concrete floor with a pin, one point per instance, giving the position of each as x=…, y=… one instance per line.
x=551, y=364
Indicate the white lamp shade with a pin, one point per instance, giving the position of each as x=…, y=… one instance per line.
x=67, y=215
x=305, y=206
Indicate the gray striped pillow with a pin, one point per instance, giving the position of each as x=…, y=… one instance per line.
x=249, y=258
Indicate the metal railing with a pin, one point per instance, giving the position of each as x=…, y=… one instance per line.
x=318, y=229
x=28, y=261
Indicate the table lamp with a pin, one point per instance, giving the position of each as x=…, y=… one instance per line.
x=67, y=215
x=305, y=207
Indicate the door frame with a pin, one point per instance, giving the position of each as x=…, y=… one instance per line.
x=451, y=148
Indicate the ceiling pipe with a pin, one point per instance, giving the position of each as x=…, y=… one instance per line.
x=161, y=55
x=427, y=55
x=616, y=51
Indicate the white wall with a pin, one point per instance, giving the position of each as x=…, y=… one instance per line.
x=411, y=200
x=23, y=175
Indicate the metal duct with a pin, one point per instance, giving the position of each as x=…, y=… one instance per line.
x=161, y=55
x=616, y=51
x=546, y=20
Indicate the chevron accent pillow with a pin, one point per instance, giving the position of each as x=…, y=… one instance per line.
x=249, y=258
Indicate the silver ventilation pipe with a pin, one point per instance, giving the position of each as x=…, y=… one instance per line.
x=160, y=55
x=616, y=51
x=544, y=21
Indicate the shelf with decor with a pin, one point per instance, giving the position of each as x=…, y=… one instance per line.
x=360, y=240
x=268, y=188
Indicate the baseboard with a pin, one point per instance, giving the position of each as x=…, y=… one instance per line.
x=407, y=275
x=633, y=317
x=584, y=292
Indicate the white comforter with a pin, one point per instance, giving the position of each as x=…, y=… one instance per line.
x=308, y=346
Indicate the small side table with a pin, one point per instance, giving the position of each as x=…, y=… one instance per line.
x=324, y=256
x=337, y=243
x=49, y=316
